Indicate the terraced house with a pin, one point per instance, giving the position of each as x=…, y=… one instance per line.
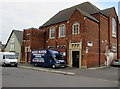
x=86, y=35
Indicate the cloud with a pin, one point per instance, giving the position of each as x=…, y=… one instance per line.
x=22, y=14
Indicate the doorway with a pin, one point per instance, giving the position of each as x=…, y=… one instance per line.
x=75, y=59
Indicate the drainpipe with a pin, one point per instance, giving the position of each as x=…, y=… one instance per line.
x=108, y=33
x=99, y=39
x=117, y=37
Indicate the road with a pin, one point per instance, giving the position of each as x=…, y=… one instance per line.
x=110, y=73
x=18, y=77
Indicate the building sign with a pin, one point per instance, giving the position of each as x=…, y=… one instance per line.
x=89, y=43
x=75, y=46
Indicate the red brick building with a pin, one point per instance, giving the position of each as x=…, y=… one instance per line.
x=119, y=41
x=92, y=43
x=86, y=35
x=32, y=39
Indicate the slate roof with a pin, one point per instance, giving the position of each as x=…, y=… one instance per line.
x=19, y=35
x=108, y=11
x=87, y=8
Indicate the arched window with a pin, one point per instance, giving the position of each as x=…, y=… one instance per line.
x=62, y=30
x=52, y=32
x=75, y=28
x=114, y=28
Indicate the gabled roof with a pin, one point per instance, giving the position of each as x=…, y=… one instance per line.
x=65, y=14
x=19, y=35
x=87, y=15
x=31, y=28
x=108, y=11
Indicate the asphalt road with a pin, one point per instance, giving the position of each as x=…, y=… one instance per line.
x=18, y=77
x=110, y=73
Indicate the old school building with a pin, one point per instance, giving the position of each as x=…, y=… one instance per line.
x=86, y=35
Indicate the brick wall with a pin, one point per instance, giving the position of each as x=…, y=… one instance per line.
x=119, y=41
x=92, y=35
x=36, y=41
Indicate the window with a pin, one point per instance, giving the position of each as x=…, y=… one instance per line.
x=51, y=47
x=114, y=27
x=114, y=48
x=12, y=44
x=52, y=32
x=28, y=36
x=75, y=28
x=61, y=46
x=3, y=56
x=62, y=31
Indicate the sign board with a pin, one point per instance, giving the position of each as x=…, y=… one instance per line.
x=89, y=43
x=38, y=56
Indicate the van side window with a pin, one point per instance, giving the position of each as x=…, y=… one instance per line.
x=3, y=56
x=51, y=59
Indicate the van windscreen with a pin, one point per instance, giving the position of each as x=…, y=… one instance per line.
x=10, y=56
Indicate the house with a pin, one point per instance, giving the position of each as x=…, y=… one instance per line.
x=86, y=34
x=2, y=47
x=14, y=43
x=33, y=38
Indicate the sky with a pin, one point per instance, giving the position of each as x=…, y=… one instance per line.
x=24, y=14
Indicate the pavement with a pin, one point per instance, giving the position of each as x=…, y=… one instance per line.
x=65, y=71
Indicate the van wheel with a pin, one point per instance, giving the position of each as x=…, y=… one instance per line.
x=53, y=66
x=4, y=65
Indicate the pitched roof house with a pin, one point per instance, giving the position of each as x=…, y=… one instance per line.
x=88, y=33
x=14, y=43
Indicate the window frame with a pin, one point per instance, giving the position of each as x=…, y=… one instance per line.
x=62, y=31
x=51, y=47
x=73, y=30
x=50, y=33
x=114, y=48
x=114, y=27
x=28, y=37
x=12, y=44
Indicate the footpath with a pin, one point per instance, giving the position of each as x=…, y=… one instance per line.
x=65, y=71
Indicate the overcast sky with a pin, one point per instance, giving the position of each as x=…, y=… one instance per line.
x=23, y=14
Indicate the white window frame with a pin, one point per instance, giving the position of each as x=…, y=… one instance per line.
x=60, y=36
x=114, y=48
x=12, y=44
x=73, y=31
x=51, y=33
x=61, y=46
x=114, y=28
x=51, y=47
x=28, y=36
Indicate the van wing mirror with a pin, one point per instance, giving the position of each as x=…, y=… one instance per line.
x=3, y=56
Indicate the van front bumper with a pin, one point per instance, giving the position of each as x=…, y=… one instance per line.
x=11, y=63
x=60, y=65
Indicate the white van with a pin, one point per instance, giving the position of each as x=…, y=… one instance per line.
x=8, y=58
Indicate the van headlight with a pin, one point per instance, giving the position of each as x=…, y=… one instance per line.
x=57, y=62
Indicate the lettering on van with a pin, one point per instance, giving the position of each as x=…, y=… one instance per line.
x=40, y=51
x=55, y=52
x=38, y=55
